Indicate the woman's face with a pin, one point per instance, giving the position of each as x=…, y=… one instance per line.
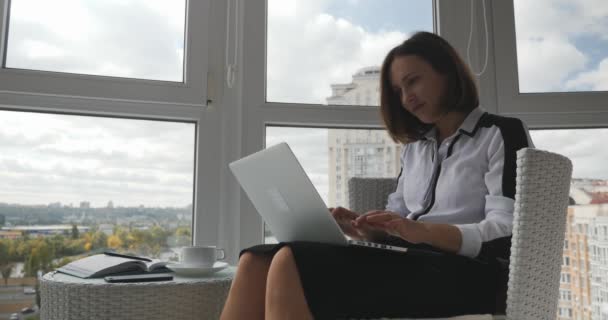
x=419, y=87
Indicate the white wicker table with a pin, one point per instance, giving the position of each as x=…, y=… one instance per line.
x=64, y=297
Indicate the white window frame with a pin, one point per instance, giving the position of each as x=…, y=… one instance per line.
x=214, y=127
x=257, y=113
x=541, y=110
x=191, y=92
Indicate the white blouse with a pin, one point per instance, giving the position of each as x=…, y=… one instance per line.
x=468, y=181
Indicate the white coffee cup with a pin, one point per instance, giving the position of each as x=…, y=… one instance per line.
x=202, y=256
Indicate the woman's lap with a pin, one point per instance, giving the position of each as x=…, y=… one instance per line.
x=351, y=281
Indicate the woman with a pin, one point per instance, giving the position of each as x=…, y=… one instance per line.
x=453, y=207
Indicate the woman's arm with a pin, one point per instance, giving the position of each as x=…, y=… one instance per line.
x=443, y=236
x=439, y=235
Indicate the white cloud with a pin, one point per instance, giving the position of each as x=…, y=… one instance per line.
x=561, y=18
x=596, y=80
x=48, y=158
x=544, y=64
x=580, y=146
x=547, y=55
x=308, y=50
x=126, y=38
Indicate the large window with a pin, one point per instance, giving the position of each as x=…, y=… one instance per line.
x=108, y=138
x=153, y=51
x=72, y=186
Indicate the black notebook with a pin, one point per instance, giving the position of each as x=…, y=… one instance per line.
x=101, y=265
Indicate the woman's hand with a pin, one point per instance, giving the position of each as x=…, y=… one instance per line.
x=396, y=225
x=346, y=220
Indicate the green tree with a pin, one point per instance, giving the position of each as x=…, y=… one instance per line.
x=32, y=264
x=12, y=249
x=39, y=258
x=6, y=271
x=75, y=234
x=37, y=287
x=45, y=256
x=99, y=240
x=181, y=237
x=4, y=252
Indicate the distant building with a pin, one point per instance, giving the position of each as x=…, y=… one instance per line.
x=359, y=152
x=40, y=231
x=598, y=260
x=575, y=280
x=579, y=195
x=85, y=205
x=10, y=234
x=55, y=205
x=110, y=205
x=364, y=90
x=73, y=218
x=599, y=197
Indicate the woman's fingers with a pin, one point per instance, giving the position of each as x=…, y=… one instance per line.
x=392, y=226
x=381, y=217
x=344, y=213
x=363, y=218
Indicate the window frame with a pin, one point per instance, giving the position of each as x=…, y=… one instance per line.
x=209, y=196
x=541, y=110
x=191, y=92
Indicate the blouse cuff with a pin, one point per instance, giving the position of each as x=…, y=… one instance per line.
x=471, y=240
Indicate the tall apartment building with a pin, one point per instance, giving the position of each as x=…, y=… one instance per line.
x=575, y=281
x=584, y=275
x=598, y=260
x=359, y=152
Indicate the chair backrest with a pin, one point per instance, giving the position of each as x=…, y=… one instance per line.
x=541, y=204
x=366, y=194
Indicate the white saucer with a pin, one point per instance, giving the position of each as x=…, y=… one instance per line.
x=190, y=270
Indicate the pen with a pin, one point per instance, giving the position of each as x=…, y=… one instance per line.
x=114, y=254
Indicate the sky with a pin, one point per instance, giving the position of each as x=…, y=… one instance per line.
x=121, y=38
x=49, y=158
x=68, y=159
x=562, y=45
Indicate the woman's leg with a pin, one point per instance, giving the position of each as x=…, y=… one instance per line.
x=284, y=293
x=246, y=297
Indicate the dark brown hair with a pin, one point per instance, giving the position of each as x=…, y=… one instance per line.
x=461, y=91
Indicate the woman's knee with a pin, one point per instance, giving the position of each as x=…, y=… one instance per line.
x=250, y=261
x=283, y=262
x=284, y=255
x=283, y=282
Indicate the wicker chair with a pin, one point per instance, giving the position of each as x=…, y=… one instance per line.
x=541, y=200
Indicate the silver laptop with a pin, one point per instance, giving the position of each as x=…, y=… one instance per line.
x=284, y=196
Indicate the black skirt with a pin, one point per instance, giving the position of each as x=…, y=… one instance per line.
x=360, y=282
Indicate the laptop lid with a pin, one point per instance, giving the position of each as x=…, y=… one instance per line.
x=284, y=196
